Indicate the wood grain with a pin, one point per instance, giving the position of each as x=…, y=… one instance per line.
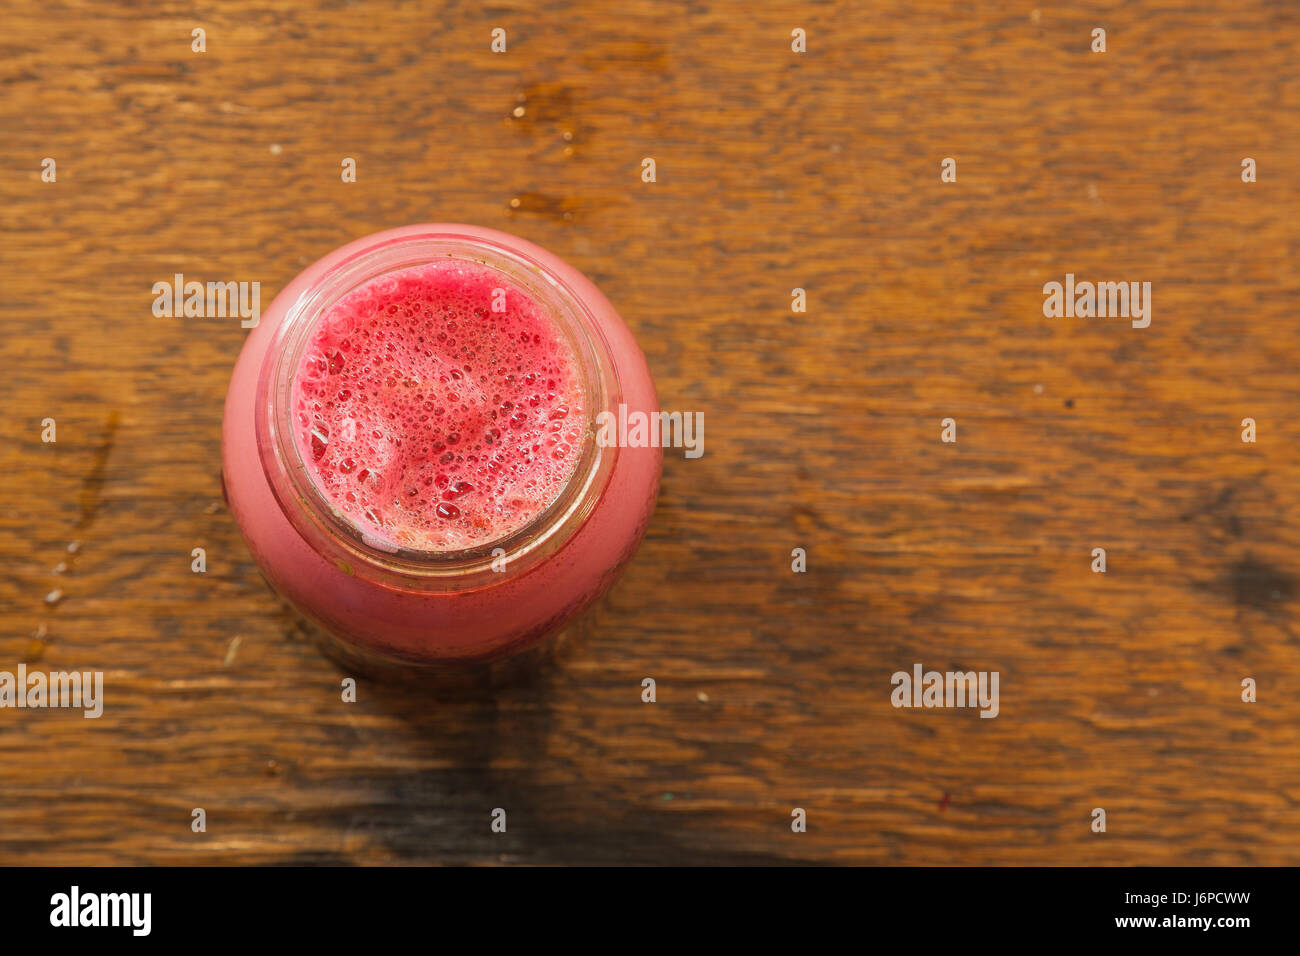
x=775, y=171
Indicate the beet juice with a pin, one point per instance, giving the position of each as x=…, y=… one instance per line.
x=429, y=419
x=409, y=445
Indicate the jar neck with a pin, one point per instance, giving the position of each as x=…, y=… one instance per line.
x=335, y=535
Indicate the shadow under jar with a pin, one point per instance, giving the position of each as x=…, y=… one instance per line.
x=410, y=447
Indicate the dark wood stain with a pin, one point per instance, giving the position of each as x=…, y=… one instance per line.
x=1259, y=585
x=93, y=485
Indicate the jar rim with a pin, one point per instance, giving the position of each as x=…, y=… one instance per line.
x=323, y=524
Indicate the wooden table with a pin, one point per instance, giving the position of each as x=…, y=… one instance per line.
x=775, y=171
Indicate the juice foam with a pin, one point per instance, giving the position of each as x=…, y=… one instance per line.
x=439, y=407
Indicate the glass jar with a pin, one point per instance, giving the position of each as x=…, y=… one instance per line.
x=383, y=604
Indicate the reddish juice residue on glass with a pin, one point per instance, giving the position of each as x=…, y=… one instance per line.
x=431, y=418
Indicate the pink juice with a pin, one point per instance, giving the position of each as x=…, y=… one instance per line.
x=433, y=421
x=409, y=445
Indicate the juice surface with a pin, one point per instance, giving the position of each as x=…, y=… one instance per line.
x=439, y=407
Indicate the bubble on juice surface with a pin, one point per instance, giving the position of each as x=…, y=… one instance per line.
x=429, y=419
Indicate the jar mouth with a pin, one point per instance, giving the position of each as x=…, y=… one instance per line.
x=349, y=544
